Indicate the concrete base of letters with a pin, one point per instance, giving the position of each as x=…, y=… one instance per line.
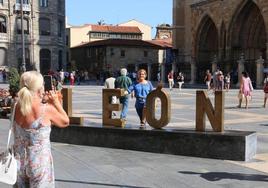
x=229, y=145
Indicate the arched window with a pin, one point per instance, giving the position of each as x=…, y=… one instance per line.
x=43, y=3
x=45, y=61
x=25, y=25
x=3, y=24
x=3, y=57
x=60, y=28
x=44, y=26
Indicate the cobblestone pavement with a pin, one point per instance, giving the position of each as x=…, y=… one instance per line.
x=84, y=166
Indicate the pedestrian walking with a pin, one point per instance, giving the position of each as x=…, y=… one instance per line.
x=215, y=79
x=110, y=84
x=62, y=76
x=207, y=79
x=158, y=77
x=220, y=79
x=32, y=127
x=71, y=78
x=227, y=80
x=265, y=90
x=245, y=89
x=123, y=82
x=171, y=79
x=141, y=89
x=180, y=79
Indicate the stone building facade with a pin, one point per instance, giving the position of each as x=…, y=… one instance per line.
x=78, y=35
x=44, y=32
x=112, y=54
x=229, y=34
x=145, y=28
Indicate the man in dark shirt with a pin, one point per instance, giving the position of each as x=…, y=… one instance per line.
x=123, y=82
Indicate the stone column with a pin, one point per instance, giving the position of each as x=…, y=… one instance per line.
x=174, y=66
x=214, y=64
x=267, y=49
x=163, y=72
x=227, y=67
x=241, y=68
x=149, y=66
x=227, y=60
x=193, y=71
x=259, y=76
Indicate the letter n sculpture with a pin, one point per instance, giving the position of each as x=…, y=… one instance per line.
x=204, y=106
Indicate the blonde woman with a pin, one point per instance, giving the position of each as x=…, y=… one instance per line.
x=32, y=127
x=141, y=89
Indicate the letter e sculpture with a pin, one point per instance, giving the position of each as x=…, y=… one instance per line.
x=108, y=108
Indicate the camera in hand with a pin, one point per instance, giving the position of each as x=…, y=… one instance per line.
x=48, y=82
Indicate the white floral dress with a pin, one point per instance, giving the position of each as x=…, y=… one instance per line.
x=33, y=153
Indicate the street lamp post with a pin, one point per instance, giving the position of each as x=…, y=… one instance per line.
x=23, y=66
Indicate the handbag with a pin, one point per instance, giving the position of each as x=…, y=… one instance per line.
x=8, y=163
x=250, y=86
x=265, y=89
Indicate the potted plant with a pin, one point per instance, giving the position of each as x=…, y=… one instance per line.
x=14, y=81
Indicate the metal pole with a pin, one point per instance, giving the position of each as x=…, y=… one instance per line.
x=23, y=67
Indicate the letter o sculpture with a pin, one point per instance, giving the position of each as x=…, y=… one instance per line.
x=165, y=108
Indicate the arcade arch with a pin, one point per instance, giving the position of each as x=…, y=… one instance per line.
x=45, y=60
x=247, y=37
x=207, y=46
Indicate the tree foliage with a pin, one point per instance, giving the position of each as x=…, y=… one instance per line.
x=14, y=81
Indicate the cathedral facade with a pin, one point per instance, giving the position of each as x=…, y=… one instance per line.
x=227, y=34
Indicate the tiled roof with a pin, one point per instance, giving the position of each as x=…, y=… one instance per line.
x=115, y=29
x=120, y=42
x=111, y=28
x=165, y=43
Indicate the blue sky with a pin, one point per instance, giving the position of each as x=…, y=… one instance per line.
x=151, y=12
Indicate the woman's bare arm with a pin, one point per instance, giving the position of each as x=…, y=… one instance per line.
x=57, y=115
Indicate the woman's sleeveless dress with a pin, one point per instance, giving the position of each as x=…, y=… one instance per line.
x=246, y=89
x=33, y=154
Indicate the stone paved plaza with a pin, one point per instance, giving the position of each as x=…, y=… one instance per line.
x=85, y=166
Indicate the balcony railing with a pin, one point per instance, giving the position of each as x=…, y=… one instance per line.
x=25, y=7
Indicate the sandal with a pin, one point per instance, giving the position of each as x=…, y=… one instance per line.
x=142, y=125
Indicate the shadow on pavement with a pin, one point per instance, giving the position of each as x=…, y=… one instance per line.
x=216, y=176
x=95, y=183
x=263, y=124
x=235, y=107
